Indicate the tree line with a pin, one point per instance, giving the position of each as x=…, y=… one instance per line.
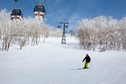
x=28, y=31
x=102, y=33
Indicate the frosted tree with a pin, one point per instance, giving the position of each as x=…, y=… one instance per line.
x=105, y=32
x=56, y=32
x=122, y=33
x=5, y=29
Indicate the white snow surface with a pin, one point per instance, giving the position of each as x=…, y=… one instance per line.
x=55, y=63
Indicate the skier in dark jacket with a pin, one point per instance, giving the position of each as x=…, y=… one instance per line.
x=87, y=61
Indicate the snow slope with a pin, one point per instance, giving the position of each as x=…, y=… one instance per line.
x=53, y=63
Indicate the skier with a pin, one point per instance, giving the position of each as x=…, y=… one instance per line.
x=87, y=61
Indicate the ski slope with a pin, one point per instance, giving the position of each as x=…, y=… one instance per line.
x=55, y=63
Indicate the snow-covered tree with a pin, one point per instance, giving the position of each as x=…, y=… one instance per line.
x=5, y=29
x=27, y=31
x=106, y=33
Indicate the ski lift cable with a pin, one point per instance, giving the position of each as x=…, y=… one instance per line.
x=34, y=1
x=28, y=6
x=40, y=1
x=37, y=1
x=15, y=3
x=52, y=6
x=44, y=1
x=25, y=4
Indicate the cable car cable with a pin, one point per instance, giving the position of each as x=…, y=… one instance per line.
x=44, y=2
x=15, y=3
x=34, y=2
x=26, y=5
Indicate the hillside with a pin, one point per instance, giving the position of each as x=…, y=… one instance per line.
x=54, y=63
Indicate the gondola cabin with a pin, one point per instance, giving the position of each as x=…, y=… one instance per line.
x=16, y=15
x=39, y=11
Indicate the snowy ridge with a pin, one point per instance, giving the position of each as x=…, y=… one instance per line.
x=53, y=63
